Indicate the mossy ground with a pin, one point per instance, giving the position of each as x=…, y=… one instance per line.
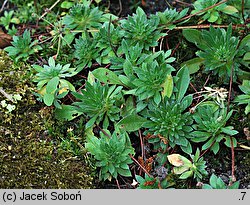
x=32, y=154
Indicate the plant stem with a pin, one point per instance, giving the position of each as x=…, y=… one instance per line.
x=48, y=10
x=230, y=88
x=233, y=161
x=140, y=165
x=142, y=145
x=202, y=26
x=191, y=15
x=118, y=184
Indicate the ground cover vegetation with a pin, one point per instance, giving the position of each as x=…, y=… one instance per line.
x=125, y=95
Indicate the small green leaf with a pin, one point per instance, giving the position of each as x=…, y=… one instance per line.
x=229, y=10
x=67, y=112
x=48, y=99
x=168, y=86
x=182, y=82
x=52, y=85
x=131, y=123
x=193, y=64
x=106, y=76
x=187, y=174
x=192, y=35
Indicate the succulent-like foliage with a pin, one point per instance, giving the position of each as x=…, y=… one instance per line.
x=169, y=16
x=82, y=17
x=108, y=39
x=213, y=14
x=196, y=167
x=150, y=80
x=99, y=103
x=211, y=127
x=244, y=98
x=85, y=52
x=51, y=83
x=170, y=124
x=217, y=183
x=7, y=19
x=139, y=29
x=112, y=154
x=22, y=47
x=218, y=48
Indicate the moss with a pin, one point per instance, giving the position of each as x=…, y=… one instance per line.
x=30, y=157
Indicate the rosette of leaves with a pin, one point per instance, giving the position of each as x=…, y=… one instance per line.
x=139, y=29
x=169, y=16
x=214, y=14
x=108, y=39
x=85, y=52
x=217, y=183
x=100, y=103
x=150, y=80
x=50, y=80
x=82, y=17
x=244, y=98
x=7, y=19
x=218, y=49
x=211, y=127
x=170, y=124
x=196, y=167
x=22, y=47
x=112, y=154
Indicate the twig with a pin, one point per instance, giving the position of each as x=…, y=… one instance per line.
x=142, y=144
x=206, y=150
x=233, y=161
x=184, y=3
x=5, y=2
x=109, y=37
x=201, y=11
x=202, y=26
x=140, y=165
x=120, y=5
x=118, y=184
x=103, y=131
x=9, y=97
x=48, y=10
x=230, y=88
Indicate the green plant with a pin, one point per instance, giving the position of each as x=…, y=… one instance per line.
x=85, y=52
x=170, y=124
x=82, y=17
x=195, y=167
x=108, y=39
x=169, y=16
x=7, y=19
x=50, y=80
x=218, y=49
x=150, y=80
x=211, y=127
x=150, y=182
x=100, y=103
x=213, y=14
x=244, y=98
x=22, y=47
x=139, y=29
x=112, y=154
x=217, y=183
